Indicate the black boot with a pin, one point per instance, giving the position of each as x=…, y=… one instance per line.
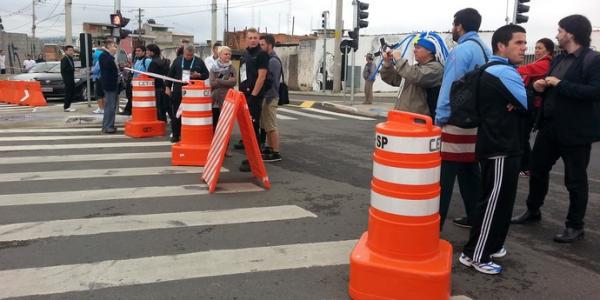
x=569, y=235
x=527, y=217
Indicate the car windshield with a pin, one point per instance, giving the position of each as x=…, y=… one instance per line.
x=53, y=67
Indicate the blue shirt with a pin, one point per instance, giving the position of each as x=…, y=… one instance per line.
x=141, y=64
x=465, y=57
x=509, y=76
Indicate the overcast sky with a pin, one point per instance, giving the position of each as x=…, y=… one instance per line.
x=386, y=16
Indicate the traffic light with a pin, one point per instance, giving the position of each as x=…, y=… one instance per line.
x=324, y=20
x=354, y=38
x=521, y=8
x=118, y=20
x=362, y=14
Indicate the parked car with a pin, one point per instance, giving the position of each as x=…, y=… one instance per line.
x=48, y=74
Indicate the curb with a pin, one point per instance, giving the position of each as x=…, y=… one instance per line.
x=373, y=113
x=93, y=120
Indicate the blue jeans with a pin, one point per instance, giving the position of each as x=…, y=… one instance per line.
x=110, y=109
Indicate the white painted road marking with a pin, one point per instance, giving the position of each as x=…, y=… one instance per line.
x=124, y=193
x=60, y=138
x=82, y=157
x=99, y=173
x=88, y=226
x=49, y=130
x=114, y=273
x=82, y=146
x=339, y=114
x=284, y=117
x=291, y=111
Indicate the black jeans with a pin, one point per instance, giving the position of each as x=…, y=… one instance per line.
x=69, y=92
x=129, y=95
x=255, y=107
x=546, y=151
x=469, y=182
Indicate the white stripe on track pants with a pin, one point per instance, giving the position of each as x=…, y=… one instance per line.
x=500, y=177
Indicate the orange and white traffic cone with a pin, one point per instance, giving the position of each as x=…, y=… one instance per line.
x=196, y=126
x=401, y=256
x=144, y=121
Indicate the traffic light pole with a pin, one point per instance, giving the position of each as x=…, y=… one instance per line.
x=337, y=57
x=87, y=72
x=354, y=25
x=324, y=65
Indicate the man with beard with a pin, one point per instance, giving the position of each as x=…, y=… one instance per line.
x=568, y=125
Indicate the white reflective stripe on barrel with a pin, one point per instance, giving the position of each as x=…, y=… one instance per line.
x=405, y=207
x=196, y=93
x=143, y=94
x=197, y=107
x=143, y=103
x=408, y=145
x=405, y=175
x=142, y=83
x=196, y=121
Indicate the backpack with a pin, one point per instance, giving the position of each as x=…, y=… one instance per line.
x=464, y=95
x=284, y=97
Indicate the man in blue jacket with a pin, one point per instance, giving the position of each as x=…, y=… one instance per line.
x=109, y=75
x=458, y=144
x=501, y=103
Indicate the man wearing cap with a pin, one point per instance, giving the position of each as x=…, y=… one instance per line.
x=367, y=74
x=426, y=74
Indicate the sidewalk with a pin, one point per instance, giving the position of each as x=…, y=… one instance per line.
x=54, y=116
x=382, y=102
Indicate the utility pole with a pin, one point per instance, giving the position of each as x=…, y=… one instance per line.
x=337, y=56
x=507, y=19
x=354, y=25
x=213, y=36
x=117, y=5
x=226, y=24
x=33, y=17
x=140, y=25
x=68, y=25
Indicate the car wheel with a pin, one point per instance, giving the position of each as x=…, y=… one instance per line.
x=83, y=93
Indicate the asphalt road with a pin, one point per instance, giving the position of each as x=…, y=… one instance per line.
x=243, y=242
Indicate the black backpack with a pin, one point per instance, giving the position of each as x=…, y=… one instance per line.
x=464, y=95
x=284, y=97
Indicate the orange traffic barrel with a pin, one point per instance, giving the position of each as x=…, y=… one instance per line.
x=196, y=126
x=33, y=95
x=144, y=122
x=401, y=255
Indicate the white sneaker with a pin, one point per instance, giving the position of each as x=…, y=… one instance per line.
x=98, y=111
x=500, y=253
x=487, y=268
x=70, y=109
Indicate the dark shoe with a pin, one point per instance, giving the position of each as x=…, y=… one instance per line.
x=462, y=222
x=527, y=217
x=109, y=131
x=245, y=166
x=266, y=150
x=239, y=145
x=174, y=139
x=271, y=157
x=569, y=235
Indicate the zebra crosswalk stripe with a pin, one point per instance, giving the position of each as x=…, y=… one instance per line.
x=124, y=193
x=313, y=116
x=82, y=157
x=98, y=173
x=75, y=227
x=82, y=146
x=115, y=273
x=59, y=138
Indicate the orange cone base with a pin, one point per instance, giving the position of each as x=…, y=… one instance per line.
x=189, y=155
x=373, y=276
x=144, y=129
